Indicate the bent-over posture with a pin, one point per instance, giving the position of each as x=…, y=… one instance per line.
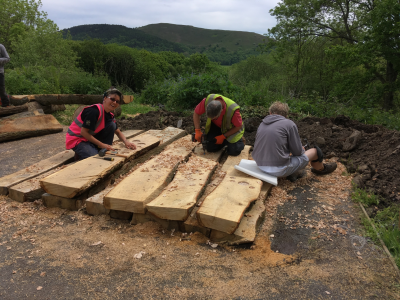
x=224, y=124
x=278, y=150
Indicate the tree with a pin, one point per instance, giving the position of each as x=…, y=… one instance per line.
x=357, y=27
x=17, y=17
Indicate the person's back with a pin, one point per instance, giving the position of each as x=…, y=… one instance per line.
x=278, y=150
x=276, y=138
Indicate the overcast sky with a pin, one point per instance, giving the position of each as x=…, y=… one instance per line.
x=239, y=15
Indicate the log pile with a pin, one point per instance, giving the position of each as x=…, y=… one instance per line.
x=167, y=179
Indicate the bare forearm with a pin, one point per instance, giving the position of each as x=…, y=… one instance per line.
x=231, y=131
x=196, y=121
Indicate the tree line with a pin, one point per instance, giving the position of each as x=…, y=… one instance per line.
x=322, y=57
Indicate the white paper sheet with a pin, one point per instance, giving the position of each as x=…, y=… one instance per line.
x=250, y=167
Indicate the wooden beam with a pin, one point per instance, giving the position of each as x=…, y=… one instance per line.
x=214, y=156
x=180, y=196
x=5, y=111
x=36, y=112
x=36, y=169
x=29, y=190
x=79, y=177
x=129, y=134
x=223, y=209
x=248, y=227
x=28, y=126
x=94, y=205
x=62, y=202
x=146, y=183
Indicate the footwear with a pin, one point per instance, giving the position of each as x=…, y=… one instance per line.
x=296, y=175
x=328, y=168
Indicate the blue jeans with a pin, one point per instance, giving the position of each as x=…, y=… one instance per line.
x=86, y=149
x=233, y=149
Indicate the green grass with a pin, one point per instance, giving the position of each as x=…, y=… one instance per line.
x=131, y=109
x=65, y=116
x=362, y=196
x=386, y=222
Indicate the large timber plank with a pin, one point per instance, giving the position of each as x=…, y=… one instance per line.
x=146, y=183
x=5, y=111
x=62, y=202
x=28, y=126
x=29, y=190
x=94, y=204
x=180, y=196
x=34, y=170
x=215, y=156
x=77, y=178
x=168, y=133
x=248, y=227
x=128, y=134
x=223, y=209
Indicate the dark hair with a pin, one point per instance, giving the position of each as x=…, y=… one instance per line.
x=112, y=91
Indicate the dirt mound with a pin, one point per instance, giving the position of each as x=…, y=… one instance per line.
x=372, y=151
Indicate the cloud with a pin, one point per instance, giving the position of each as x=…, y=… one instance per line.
x=238, y=15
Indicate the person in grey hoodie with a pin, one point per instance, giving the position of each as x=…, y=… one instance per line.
x=4, y=58
x=278, y=150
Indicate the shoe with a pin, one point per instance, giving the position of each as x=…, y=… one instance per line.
x=297, y=175
x=328, y=168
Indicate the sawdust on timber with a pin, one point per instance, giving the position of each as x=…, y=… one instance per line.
x=174, y=264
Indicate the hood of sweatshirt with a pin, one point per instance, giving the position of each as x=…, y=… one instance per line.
x=272, y=119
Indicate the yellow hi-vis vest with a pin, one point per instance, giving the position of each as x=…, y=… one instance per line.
x=231, y=107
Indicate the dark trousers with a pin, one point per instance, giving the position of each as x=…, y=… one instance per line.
x=233, y=149
x=3, y=95
x=86, y=149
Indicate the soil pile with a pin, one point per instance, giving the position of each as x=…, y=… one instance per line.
x=371, y=151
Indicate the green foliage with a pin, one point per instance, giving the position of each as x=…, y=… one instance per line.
x=51, y=80
x=124, y=36
x=17, y=17
x=43, y=46
x=230, y=46
x=187, y=91
x=367, y=199
x=319, y=40
x=386, y=223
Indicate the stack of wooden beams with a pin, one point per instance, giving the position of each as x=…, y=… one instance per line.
x=167, y=179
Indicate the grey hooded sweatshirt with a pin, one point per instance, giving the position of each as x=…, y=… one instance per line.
x=276, y=138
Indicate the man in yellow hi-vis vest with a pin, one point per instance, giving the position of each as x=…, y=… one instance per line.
x=224, y=124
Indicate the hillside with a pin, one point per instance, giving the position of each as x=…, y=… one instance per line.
x=204, y=38
x=124, y=36
x=222, y=46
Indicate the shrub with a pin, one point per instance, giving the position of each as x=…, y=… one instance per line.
x=51, y=80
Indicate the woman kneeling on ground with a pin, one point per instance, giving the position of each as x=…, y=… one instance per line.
x=95, y=126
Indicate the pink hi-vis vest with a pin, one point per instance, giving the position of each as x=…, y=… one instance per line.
x=74, y=136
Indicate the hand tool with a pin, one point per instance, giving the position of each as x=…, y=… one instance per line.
x=104, y=152
x=306, y=146
x=203, y=141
